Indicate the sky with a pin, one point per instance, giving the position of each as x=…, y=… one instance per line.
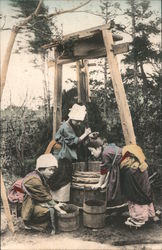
x=25, y=80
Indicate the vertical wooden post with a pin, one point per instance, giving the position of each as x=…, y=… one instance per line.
x=125, y=116
x=57, y=104
x=78, y=70
x=86, y=73
x=83, y=81
x=6, y=206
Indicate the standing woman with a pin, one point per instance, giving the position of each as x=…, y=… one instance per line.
x=65, y=151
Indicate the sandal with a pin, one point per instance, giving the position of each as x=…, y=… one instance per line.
x=132, y=223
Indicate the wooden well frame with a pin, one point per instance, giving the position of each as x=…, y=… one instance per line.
x=78, y=47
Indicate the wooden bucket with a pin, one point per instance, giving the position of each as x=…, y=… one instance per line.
x=93, y=166
x=94, y=212
x=85, y=174
x=70, y=221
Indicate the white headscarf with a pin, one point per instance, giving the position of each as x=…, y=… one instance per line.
x=45, y=161
x=77, y=112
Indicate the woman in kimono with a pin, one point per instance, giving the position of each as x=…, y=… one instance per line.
x=65, y=150
x=132, y=180
x=38, y=205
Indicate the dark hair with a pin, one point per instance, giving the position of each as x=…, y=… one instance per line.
x=95, y=143
x=41, y=169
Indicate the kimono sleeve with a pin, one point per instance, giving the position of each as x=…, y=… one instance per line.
x=106, y=164
x=66, y=135
x=37, y=190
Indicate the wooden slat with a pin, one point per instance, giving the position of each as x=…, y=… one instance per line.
x=86, y=32
x=85, y=180
x=86, y=174
x=120, y=48
x=81, y=185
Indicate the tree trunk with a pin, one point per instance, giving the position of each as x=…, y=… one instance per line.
x=7, y=58
x=14, y=32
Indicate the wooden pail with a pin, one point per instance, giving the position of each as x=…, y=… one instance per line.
x=85, y=174
x=94, y=212
x=93, y=166
x=70, y=221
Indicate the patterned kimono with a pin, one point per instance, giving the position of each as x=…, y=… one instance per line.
x=135, y=184
x=37, y=208
x=60, y=181
x=111, y=157
x=128, y=179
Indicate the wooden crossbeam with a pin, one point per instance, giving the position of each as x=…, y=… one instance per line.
x=93, y=51
x=89, y=65
x=120, y=48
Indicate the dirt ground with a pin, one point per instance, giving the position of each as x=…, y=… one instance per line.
x=115, y=235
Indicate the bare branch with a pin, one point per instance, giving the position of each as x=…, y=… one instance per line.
x=2, y=28
x=38, y=8
x=26, y=20
x=69, y=10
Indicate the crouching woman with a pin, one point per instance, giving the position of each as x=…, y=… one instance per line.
x=125, y=170
x=38, y=206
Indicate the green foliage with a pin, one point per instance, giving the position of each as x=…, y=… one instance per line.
x=68, y=99
x=39, y=29
x=142, y=78
x=26, y=135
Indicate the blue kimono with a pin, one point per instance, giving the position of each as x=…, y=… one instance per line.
x=66, y=136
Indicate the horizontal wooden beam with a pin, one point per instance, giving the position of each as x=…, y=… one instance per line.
x=87, y=32
x=89, y=65
x=93, y=53
x=82, y=35
x=120, y=48
x=51, y=63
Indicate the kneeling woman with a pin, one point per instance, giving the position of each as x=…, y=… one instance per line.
x=38, y=206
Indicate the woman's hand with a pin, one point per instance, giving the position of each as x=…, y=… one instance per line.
x=87, y=131
x=58, y=208
x=96, y=186
x=104, y=185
